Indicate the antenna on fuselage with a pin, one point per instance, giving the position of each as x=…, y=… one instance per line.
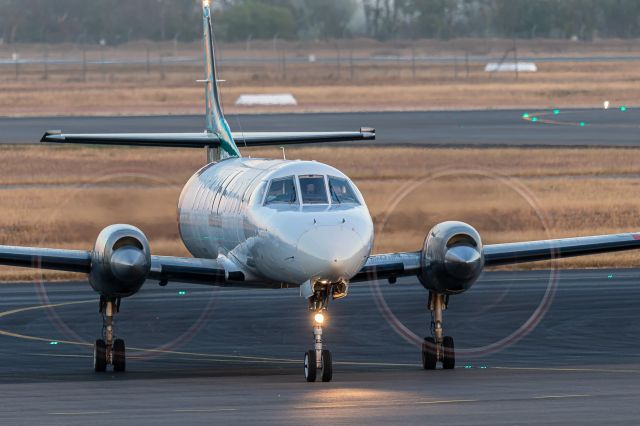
x=284, y=154
x=216, y=123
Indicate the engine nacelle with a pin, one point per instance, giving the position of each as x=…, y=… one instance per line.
x=120, y=261
x=452, y=258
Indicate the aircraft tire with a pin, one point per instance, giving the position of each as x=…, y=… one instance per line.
x=100, y=356
x=429, y=357
x=327, y=366
x=310, y=367
x=119, y=356
x=449, y=353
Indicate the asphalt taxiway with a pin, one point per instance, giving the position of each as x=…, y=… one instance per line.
x=525, y=127
x=530, y=350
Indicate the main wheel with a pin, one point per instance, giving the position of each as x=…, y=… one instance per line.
x=327, y=368
x=429, y=357
x=100, y=356
x=119, y=357
x=449, y=353
x=310, y=367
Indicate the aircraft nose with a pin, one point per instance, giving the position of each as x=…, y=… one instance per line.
x=331, y=253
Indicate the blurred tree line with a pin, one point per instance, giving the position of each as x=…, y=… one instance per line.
x=117, y=21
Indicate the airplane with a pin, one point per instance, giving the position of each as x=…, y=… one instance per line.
x=276, y=223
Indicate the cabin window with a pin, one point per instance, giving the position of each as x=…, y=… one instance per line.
x=341, y=191
x=282, y=191
x=313, y=189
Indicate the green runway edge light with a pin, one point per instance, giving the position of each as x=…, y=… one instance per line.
x=468, y=366
x=182, y=293
x=610, y=276
x=582, y=124
x=623, y=108
x=556, y=111
x=525, y=115
x=54, y=342
x=534, y=119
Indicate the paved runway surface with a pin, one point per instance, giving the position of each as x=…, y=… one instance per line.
x=446, y=128
x=235, y=356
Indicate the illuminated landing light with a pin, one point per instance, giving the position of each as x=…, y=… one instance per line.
x=182, y=293
x=623, y=108
x=556, y=111
x=319, y=318
x=606, y=104
x=525, y=115
x=54, y=342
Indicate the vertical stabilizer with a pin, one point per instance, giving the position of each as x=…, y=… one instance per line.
x=216, y=122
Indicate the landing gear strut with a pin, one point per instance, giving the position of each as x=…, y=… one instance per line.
x=318, y=359
x=107, y=351
x=438, y=347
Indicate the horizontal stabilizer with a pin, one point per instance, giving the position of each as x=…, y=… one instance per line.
x=179, y=140
x=290, y=138
x=205, y=139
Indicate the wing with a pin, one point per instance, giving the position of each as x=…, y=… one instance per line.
x=192, y=270
x=200, y=140
x=389, y=266
x=163, y=268
x=393, y=265
x=531, y=251
x=60, y=260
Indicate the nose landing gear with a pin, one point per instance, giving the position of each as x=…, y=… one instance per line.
x=318, y=359
x=439, y=347
x=107, y=351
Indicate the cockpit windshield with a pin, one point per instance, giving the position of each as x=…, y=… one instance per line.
x=282, y=191
x=341, y=191
x=313, y=189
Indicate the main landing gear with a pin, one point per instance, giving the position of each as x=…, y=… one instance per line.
x=107, y=351
x=318, y=360
x=438, y=347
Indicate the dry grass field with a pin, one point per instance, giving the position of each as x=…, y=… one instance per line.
x=361, y=84
x=63, y=196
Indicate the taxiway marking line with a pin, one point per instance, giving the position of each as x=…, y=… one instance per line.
x=247, y=359
x=450, y=401
x=363, y=404
x=216, y=357
x=568, y=370
x=203, y=410
x=561, y=396
x=58, y=355
x=235, y=358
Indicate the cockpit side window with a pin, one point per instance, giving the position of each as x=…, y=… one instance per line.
x=341, y=191
x=313, y=189
x=282, y=191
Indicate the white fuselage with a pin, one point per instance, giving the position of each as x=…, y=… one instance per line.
x=225, y=211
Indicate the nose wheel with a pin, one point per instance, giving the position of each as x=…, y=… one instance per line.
x=318, y=361
x=311, y=366
x=109, y=351
x=438, y=348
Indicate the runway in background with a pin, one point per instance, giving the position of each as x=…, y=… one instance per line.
x=571, y=127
